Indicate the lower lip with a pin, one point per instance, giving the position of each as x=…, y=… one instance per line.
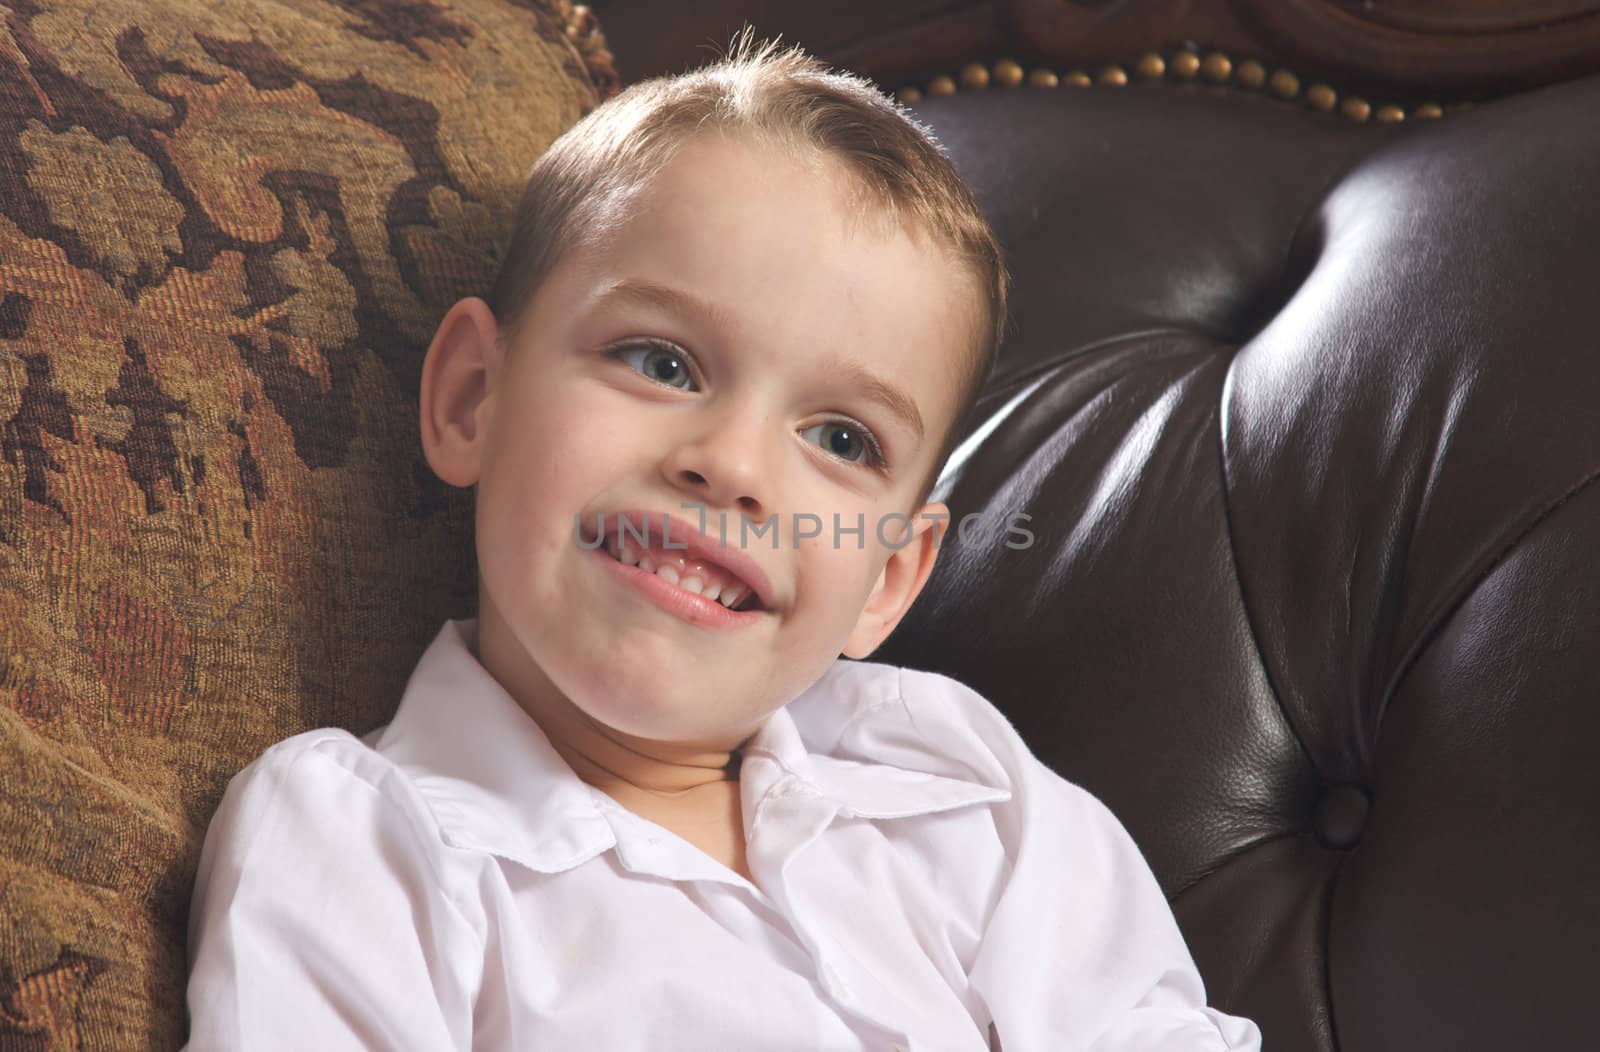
x=679, y=602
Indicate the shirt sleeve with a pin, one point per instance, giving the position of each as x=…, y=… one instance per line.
x=1081, y=950
x=320, y=917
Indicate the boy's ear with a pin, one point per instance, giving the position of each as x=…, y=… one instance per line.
x=901, y=580
x=461, y=368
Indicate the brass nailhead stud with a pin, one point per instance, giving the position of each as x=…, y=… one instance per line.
x=1216, y=67
x=1320, y=96
x=1185, y=64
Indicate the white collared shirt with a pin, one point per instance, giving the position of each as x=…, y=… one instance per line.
x=922, y=882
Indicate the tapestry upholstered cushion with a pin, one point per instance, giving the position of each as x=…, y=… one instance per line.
x=227, y=229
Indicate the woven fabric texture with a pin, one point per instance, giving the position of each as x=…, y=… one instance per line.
x=227, y=229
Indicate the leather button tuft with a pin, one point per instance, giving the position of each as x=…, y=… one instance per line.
x=1342, y=815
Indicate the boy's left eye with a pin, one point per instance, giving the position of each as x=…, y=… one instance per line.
x=664, y=365
x=846, y=441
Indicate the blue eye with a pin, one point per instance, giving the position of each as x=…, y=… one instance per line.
x=664, y=365
x=847, y=441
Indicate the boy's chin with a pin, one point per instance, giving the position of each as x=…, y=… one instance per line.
x=659, y=703
x=659, y=726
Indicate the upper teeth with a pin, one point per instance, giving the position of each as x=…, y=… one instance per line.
x=698, y=578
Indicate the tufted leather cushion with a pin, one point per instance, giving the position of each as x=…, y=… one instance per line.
x=1309, y=444
x=226, y=231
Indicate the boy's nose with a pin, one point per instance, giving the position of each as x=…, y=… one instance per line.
x=722, y=467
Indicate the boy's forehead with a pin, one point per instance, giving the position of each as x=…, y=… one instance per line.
x=699, y=173
x=790, y=199
x=716, y=174
x=718, y=201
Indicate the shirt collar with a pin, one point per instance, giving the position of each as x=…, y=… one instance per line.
x=486, y=768
x=496, y=784
x=857, y=710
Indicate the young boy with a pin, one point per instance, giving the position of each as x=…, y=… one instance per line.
x=639, y=803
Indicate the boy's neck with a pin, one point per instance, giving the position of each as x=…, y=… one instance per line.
x=614, y=767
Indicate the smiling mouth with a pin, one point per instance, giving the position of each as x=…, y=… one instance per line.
x=696, y=576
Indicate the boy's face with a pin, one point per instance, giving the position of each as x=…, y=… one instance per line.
x=621, y=396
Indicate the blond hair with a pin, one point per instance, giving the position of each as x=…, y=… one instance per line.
x=585, y=181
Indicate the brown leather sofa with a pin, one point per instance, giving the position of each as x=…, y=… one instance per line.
x=1303, y=398
x=1310, y=438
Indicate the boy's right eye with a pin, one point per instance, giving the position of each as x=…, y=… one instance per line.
x=665, y=365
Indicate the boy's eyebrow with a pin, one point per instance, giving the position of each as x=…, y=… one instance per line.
x=896, y=401
x=667, y=298
x=853, y=373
